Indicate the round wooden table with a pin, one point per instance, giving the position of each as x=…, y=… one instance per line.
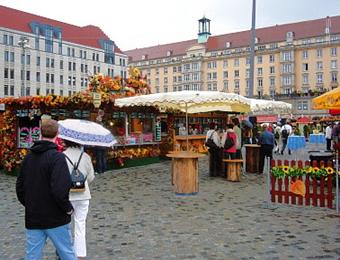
x=184, y=171
x=252, y=157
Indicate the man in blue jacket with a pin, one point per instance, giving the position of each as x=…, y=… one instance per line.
x=43, y=187
x=267, y=146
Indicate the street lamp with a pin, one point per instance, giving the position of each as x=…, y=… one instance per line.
x=23, y=43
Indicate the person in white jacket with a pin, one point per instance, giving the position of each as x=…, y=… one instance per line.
x=80, y=200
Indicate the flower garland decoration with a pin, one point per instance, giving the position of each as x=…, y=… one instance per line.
x=10, y=156
x=314, y=172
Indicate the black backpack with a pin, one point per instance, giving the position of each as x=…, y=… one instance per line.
x=229, y=142
x=77, y=177
x=285, y=133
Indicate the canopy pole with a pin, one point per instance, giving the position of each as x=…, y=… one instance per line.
x=187, y=124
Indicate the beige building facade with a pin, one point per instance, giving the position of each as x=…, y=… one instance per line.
x=298, y=59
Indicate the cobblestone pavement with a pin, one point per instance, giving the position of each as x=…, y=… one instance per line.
x=134, y=214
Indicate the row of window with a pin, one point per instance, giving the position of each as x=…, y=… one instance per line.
x=71, y=52
x=9, y=91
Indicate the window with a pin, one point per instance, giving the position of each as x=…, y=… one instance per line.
x=74, y=81
x=236, y=73
x=73, y=52
x=165, y=70
x=272, y=81
x=47, y=62
x=61, y=80
x=214, y=75
x=28, y=75
x=174, y=69
x=236, y=62
x=68, y=51
x=11, y=41
x=225, y=74
x=52, y=78
x=247, y=73
x=69, y=66
x=69, y=80
x=38, y=76
x=302, y=105
x=259, y=71
x=11, y=73
x=165, y=80
x=38, y=60
x=271, y=58
x=237, y=84
x=259, y=59
x=74, y=66
x=305, y=79
x=208, y=76
x=287, y=68
x=319, y=65
x=5, y=90
x=260, y=83
x=287, y=56
x=319, y=77
x=287, y=80
x=334, y=76
x=305, y=66
x=11, y=56
x=174, y=79
x=6, y=73
x=225, y=85
x=47, y=77
x=52, y=63
x=333, y=52
x=225, y=63
x=271, y=69
x=319, y=53
x=305, y=55
x=5, y=39
x=28, y=59
x=12, y=90
x=81, y=67
x=333, y=64
x=7, y=56
x=247, y=61
x=61, y=65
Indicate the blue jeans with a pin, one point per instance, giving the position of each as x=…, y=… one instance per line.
x=60, y=237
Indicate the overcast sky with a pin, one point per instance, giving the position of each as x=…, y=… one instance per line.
x=143, y=23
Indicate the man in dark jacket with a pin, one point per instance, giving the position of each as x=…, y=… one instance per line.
x=267, y=146
x=43, y=187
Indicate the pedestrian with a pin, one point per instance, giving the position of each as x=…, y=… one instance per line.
x=229, y=150
x=286, y=131
x=238, y=133
x=214, y=153
x=266, y=141
x=277, y=136
x=328, y=135
x=80, y=200
x=101, y=159
x=42, y=187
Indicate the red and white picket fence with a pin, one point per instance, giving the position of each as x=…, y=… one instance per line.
x=319, y=191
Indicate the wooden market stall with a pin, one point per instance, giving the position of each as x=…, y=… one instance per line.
x=137, y=132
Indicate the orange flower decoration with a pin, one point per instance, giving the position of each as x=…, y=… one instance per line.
x=298, y=187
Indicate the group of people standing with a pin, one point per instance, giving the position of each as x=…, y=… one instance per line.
x=43, y=188
x=228, y=146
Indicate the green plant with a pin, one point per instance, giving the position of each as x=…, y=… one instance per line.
x=286, y=171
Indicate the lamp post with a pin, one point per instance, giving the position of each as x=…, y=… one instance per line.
x=23, y=43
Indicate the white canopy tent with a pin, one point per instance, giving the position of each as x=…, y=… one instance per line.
x=190, y=102
x=263, y=106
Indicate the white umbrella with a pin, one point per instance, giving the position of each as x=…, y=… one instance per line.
x=85, y=133
x=269, y=106
x=190, y=102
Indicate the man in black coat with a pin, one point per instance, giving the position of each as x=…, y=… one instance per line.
x=43, y=187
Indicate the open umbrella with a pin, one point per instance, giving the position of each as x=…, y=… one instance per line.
x=247, y=123
x=190, y=102
x=85, y=133
x=328, y=100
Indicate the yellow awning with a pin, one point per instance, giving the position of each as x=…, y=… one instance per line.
x=329, y=100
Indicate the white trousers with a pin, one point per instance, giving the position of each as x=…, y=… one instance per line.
x=81, y=208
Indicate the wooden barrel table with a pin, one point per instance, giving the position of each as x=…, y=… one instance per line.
x=233, y=169
x=252, y=158
x=185, y=172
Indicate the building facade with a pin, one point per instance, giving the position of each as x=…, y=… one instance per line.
x=40, y=56
x=299, y=59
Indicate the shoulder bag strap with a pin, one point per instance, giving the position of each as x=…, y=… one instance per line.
x=75, y=165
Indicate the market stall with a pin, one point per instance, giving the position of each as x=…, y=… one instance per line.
x=136, y=131
x=189, y=102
